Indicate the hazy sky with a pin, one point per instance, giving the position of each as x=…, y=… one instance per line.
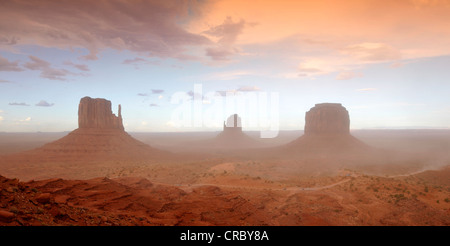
x=387, y=62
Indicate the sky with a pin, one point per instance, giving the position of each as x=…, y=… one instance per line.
x=187, y=65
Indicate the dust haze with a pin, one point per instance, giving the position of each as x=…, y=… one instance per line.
x=323, y=174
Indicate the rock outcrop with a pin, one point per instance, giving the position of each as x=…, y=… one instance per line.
x=327, y=132
x=100, y=137
x=96, y=113
x=232, y=138
x=233, y=124
x=327, y=119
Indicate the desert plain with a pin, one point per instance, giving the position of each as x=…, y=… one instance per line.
x=99, y=177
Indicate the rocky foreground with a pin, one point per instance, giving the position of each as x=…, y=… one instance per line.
x=229, y=199
x=126, y=202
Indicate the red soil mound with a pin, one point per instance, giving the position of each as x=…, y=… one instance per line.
x=93, y=143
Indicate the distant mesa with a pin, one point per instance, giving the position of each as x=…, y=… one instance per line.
x=96, y=113
x=232, y=125
x=327, y=119
x=231, y=138
x=327, y=131
x=232, y=135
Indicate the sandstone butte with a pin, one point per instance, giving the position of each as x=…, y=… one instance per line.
x=100, y=136
x=327, y=131
x=327, y=119
x=97, y=113
x=232, y=135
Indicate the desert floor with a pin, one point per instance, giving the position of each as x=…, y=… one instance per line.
x=227, y=188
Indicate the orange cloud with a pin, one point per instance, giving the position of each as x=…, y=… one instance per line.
x=400, y=28
x=340, y=32
x=372, y=52
x=346, y=75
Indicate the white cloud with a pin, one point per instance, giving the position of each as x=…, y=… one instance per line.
x=44, y=103
x=1, y=117
x=28, y=119
x=290, y=75
x=229, y=75
x=367, y=89
x=238, y=91
x=171, y=123
x=407, y=104
x=225, y=93
x=249, y=88
x=387, y=105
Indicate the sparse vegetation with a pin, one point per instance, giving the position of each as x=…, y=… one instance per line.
x=39, y=210
x=13, y=209
x=398, y=197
